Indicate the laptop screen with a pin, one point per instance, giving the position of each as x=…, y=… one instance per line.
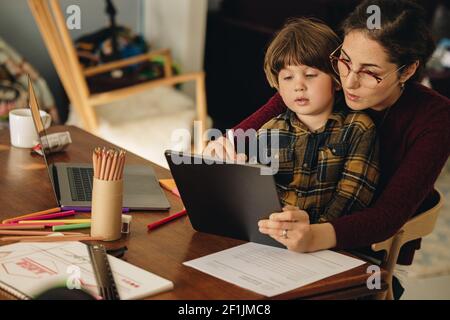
x=38, y=122
x=42, y=134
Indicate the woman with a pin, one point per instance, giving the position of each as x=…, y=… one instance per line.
x=378, y=70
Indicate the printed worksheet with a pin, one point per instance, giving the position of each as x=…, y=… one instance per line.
x=271, y=271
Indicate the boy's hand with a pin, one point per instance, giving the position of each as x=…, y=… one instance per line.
x=223, y=150
x=290, y=227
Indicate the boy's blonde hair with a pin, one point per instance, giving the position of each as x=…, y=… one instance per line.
x=302, y=41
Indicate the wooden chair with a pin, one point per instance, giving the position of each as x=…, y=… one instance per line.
x=417, y=227
x=52, y=26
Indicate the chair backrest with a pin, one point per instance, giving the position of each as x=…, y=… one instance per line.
x=52, y=26
x=417, y=227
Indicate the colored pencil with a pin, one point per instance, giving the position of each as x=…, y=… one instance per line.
x=72, y=226
x=62, y=220
x=88, y=209
x=108, y=164
x=34, y=223
x=113, y=166
x=102, y=163
x=122, y=165
x=94, y=163
x=51, y=238
x=14, y=226
x=51, y=216
x=31, y=233
x=34, y=214
x=156, y=224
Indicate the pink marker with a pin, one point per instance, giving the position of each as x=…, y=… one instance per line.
x=51, y=216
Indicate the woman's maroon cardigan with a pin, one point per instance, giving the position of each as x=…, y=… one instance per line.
x=414, y=146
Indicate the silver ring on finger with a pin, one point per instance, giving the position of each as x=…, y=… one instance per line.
x=284, y=234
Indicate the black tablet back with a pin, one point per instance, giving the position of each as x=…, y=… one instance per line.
x=226, y=199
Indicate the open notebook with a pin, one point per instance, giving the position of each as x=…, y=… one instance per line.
x=28, y=269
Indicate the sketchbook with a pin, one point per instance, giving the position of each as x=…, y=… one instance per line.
x=28, y=269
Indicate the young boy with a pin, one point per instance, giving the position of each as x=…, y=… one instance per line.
x=328, y=154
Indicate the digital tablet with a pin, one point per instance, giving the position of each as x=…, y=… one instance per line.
x=225, y=198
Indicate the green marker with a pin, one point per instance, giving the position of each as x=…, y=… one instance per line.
x=72, y=226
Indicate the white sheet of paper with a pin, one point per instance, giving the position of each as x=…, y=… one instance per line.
x=271, y=271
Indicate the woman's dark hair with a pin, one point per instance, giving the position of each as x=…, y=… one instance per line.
x=403, y=32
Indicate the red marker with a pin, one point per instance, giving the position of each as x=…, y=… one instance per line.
x=156, y=224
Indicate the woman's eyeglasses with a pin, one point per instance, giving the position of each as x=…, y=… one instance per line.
x=366, y=78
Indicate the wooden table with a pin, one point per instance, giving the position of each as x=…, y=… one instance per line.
x=25, y=187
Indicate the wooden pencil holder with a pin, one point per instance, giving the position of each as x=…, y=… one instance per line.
x=106, y=218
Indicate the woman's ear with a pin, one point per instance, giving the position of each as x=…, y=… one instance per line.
x=409, y=71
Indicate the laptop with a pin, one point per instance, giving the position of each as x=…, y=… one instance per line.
x=72, y=182
x=226, y=199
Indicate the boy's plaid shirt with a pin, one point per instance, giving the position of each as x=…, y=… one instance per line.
x=330, y=172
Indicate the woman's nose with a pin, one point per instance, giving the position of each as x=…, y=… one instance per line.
x=351, y=81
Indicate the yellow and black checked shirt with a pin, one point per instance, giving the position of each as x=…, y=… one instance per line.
x=329, y=172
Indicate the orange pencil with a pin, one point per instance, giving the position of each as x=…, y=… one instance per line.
x=122, y=165
x=51, y=239
x=94, y=163
x=116, y=166
x=97, y=152
x=33, y=233
x=15, y=226
x=103, y=163
x=119, y=159
x=34, y=214
x=108, y=165
x=113, y=166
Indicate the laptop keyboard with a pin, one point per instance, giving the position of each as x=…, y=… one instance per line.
x=80, y=181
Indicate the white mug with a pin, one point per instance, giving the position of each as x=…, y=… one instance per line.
x=22, y=130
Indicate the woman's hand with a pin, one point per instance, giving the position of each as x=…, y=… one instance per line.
x=223, y=149
x=290, y=227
